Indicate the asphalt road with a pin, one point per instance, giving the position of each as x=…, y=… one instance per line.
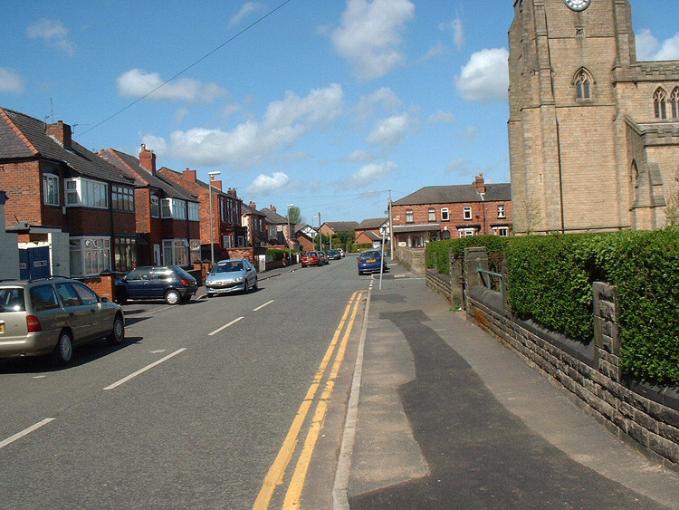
x=200, y=428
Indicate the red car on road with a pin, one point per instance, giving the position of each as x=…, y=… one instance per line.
x=311, y=258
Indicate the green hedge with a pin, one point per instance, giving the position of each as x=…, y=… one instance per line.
x=361, y=247
x=550, y=281
x=436, y=252
x=275, y=254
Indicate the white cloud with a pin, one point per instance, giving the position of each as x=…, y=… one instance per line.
x=649, y=48
x=359, y=155
x=485, y=76
x=456, y=29
x=155, y=143
x=382, y=99
x=267, y=183
x=434, y=51
x=370, y=35
x=252, y=141
x=180, y=115
x=390, y=131
x=53, y=32
x=246, y=9
x=10, y=81
x=373, y=172
x=442, y=117
x=138, y=83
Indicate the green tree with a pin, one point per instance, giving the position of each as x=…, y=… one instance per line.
x=294, y=215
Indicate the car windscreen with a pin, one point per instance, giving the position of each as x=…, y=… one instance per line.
x=228, y=267
x=370, y=254
x=12, y=300
x=182, y=274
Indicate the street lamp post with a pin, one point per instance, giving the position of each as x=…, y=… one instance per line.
x=212, y=176
x=289, y=235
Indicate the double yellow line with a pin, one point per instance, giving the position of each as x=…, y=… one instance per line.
x=276, y=474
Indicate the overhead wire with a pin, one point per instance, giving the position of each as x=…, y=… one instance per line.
x=190, y=66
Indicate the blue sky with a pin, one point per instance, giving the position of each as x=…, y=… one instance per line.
x=324, y=104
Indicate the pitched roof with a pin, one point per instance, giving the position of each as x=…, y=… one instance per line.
x=22, y=136
x=372, y=223
x=342, y=226
x=246, y=209
x=456, y=193
x=131, y=166
x=200, y=183
x=273, y=217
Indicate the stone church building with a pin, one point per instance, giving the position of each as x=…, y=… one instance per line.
x=593, y=133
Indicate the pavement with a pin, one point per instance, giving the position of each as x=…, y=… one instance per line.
x=444, y=416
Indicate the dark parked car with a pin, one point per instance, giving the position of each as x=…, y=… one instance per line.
x=334, y=255
x=370, y=262
x=52, y=315
x=170, y=283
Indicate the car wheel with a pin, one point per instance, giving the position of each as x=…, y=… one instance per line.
x=256, y=285
x=185, y=299
x=245, y=287
x=172, y=297
x=63, y=351
x=210, y=295
x=117, y=335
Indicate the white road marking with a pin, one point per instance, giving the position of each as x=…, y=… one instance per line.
x=25, y=432
x=142, y=370
x=262, y=306
x=226, y=326
x=158, y=351
x=39, y=377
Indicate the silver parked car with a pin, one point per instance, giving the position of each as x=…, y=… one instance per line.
x=52, y=315
x=231, y=275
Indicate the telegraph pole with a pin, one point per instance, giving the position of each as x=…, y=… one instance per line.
x=320, y=236
x=391, y=232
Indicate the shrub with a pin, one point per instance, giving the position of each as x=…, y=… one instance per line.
x=274, y=254
x=436, y=252
x=550, y=281
x=361, y=247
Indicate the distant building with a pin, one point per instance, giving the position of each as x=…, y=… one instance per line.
x=255, y=222
x=369, y=231
x=331, y=228
x=276, y=226
x=445, y=212
x=305, y=235
x=593, y=132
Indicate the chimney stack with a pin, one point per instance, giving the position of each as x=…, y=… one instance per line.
x=273, y=208
x=479, y=184
x=147, y=159
x=232, y=193
x=252, y=205
x=60, y=131
x=190, y=175
x=217, y=183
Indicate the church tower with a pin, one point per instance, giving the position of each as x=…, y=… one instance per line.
x=568, y=127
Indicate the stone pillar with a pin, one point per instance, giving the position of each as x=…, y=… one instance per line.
x=606, y=331
x=456, y=280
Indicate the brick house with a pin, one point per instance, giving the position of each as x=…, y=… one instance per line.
x=168, y=219
x=305, y=236
x=369, y=231
x=444, y=212
x=228, y=231
x=331, y=228
x=276, y=227
x=255, y=222
x=65, y=197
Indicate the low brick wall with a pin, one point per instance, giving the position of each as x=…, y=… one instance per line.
x=103, y=285
x=440, y=283
x=652, y=424
x=411, y=258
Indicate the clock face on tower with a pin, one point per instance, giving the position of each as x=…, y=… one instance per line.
x=577, y=5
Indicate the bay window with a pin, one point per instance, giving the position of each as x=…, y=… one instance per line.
x=122, y=198
x=175, y=252
x=86, y=193
x=125, y=253
x=194, y=214
x=90, y=256
x=173, y=208
x=155, y=206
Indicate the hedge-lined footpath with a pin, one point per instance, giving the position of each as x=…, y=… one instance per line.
x=550, y=281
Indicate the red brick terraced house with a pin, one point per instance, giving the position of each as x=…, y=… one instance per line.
x=444, y=212
x=255, y=222
x=65, y=197
x=276, y=227
x=369, y=231
x=168, y=216
x=331, y=228
x=228, y=233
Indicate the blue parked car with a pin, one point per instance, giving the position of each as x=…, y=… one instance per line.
x=370, y=262
x=170, y=283
x=233, y=275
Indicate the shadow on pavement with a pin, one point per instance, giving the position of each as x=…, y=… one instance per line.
x=480, y=455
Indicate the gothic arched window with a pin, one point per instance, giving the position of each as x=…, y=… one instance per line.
x=583, y=84
x=674, y=99
x=660, y=104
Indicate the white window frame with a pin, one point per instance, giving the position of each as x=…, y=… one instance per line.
x=193, y=211
x=467, y=232
x=501, y=231
x=445, y=214
x=227, y=241
x=86, y=193
x=172, y=208
x=178, y=250
x=431, y=215
x=501, y=212
x=410, y=216
x=50, y=183
x=101, y=259
x=155, y=206
x=125, y=198
x=467, y=213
